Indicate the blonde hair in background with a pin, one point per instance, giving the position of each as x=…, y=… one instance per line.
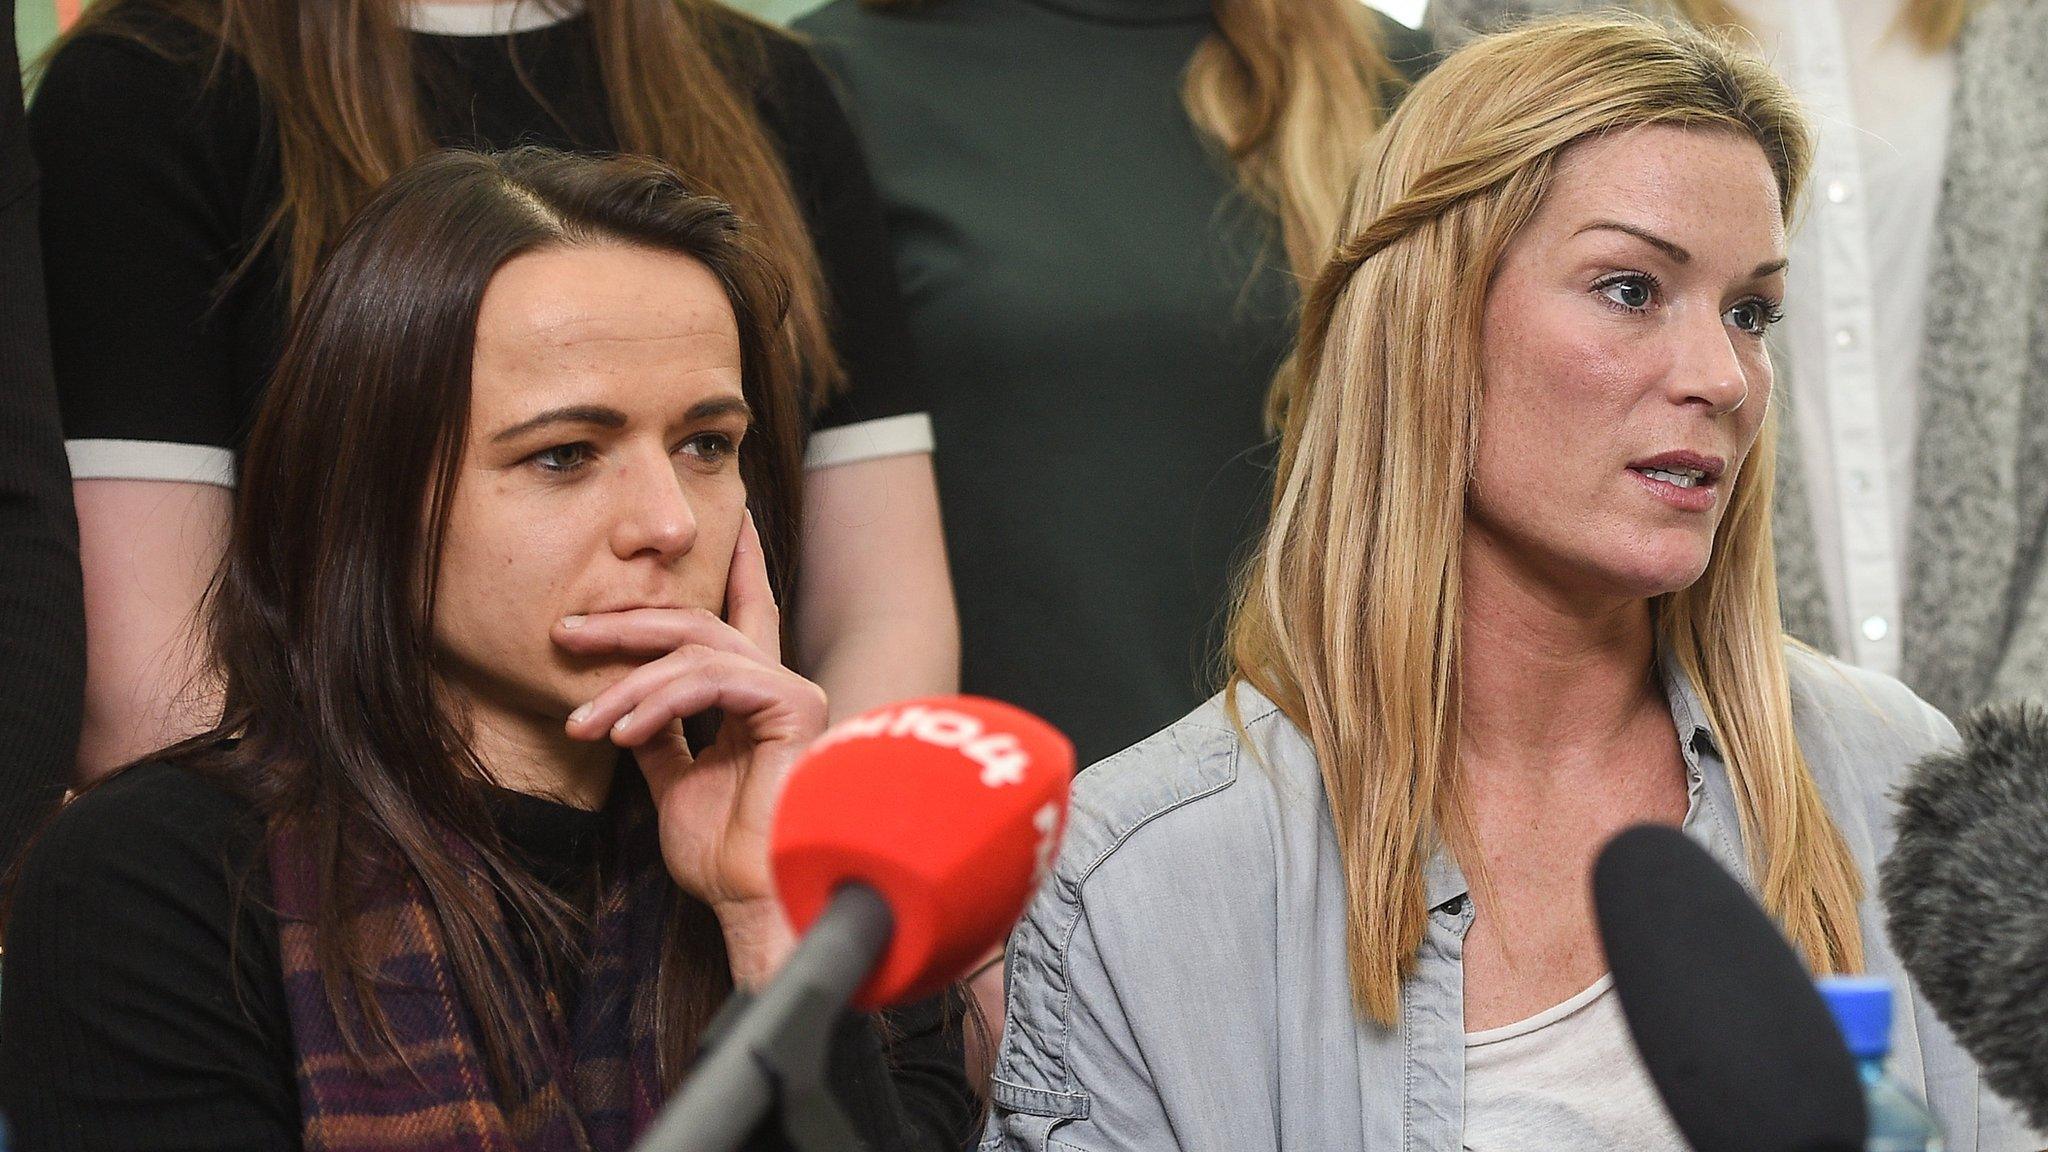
x=1348, y=617
x=1933, y=24
x=1288, y=91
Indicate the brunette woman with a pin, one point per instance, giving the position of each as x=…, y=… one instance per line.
x=479, y=843
x=201, y=155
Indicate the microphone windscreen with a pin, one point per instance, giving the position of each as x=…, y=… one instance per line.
x=951, y=808
x=1965, y=892
x=1727, y=1019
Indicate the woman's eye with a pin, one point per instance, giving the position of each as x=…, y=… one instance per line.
x=563, y=457
x=1632, y=293
x=710, y=447
x=1754, y=316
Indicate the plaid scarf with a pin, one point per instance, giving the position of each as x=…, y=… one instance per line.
x=436, y=1094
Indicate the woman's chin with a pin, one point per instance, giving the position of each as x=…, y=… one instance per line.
x=1659, y=573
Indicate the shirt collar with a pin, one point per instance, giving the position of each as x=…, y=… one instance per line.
x=1688, y=711
x=500, y=18
x=1443, y=882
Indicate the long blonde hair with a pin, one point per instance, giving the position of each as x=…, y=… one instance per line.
x=1349, y=615
x=1290, y=91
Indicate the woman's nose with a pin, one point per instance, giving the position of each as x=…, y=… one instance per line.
x=1709, y=369
x=653, y=515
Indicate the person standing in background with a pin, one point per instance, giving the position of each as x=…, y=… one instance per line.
x=199, y=156
x=1912, y=520
x=1100, y=211
x=42, y=645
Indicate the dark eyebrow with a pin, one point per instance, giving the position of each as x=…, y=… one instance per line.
x=594, y=414
x=720, y=406
x=1678, y=255
x=600, y=416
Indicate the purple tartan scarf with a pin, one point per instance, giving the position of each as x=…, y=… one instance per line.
x=602, y=1086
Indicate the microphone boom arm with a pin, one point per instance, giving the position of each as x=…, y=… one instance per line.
x=766, y=1052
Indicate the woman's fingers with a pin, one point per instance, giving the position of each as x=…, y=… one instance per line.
x=749, y=598
x=618, y=699
x=651, y=632
x=701, y=661
x=769, y=709
x=771, y=701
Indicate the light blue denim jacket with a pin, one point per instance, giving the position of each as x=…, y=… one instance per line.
x=1180, y=981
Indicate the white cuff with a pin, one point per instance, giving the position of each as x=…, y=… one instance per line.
x=904, y=435
x=151, y=460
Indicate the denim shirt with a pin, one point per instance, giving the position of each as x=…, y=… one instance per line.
x=1181, y=982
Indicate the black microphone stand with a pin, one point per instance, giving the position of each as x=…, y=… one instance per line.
x=763, y=1057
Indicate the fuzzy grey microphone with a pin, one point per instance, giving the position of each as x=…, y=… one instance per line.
x=1965, y=894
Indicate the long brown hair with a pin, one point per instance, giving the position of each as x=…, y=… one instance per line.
x=1288, y=91
x=1351, y=612
x=321, y=619
x=680, y=78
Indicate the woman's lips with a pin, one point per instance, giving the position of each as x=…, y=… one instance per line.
x=1685, y=491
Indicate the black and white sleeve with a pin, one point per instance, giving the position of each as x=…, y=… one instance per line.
x=139, y=229
x=881, y=410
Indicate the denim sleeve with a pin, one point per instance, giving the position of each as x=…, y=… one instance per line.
x=1140, y=998
x=1070, y=1075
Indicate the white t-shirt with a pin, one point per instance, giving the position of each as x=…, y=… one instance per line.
x=1564, y=1080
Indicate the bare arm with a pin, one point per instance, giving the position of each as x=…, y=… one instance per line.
x=148, y=549
x=874, y=602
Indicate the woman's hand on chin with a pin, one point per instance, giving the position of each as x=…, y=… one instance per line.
x=715, y=808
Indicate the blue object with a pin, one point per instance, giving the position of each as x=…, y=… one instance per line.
x=1899, y=1122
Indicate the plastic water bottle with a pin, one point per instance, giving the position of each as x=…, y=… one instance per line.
x=1898, y=1119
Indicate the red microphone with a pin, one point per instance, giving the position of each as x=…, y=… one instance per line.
x=907, y=841
x=948, y=808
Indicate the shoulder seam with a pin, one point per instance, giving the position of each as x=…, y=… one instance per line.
x=1229, y=778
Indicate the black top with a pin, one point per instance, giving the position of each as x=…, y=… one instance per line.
x=144, y=1006
x=1099, y=310
x=42, y=647
x=159, y=181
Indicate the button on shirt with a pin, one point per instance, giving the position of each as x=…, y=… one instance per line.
x=1180, y=981
x=1849, y=348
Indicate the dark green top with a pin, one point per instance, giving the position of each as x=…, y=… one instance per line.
x=1099, y=312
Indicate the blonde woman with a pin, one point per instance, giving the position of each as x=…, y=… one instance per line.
x=1914, y=366
x=1516, y=594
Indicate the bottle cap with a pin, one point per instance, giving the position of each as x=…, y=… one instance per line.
x=1863, y=1010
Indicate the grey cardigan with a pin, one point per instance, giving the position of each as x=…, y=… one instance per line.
x=1180, y=981
x=1976, y=596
